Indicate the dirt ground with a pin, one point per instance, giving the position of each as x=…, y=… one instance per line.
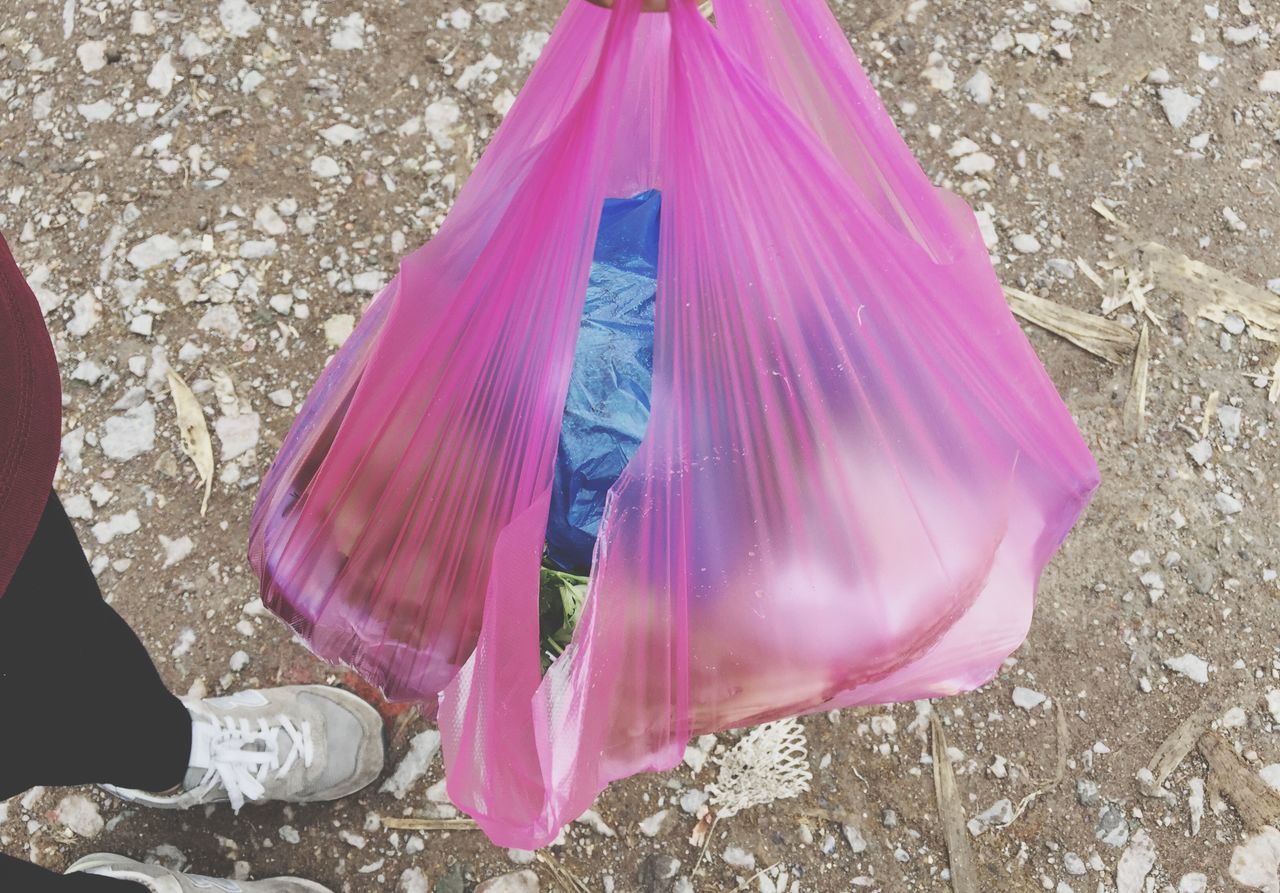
x=219, y=188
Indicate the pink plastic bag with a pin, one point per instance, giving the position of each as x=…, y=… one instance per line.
x=855, y=467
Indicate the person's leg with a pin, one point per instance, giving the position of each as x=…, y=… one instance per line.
x=82, y=702
x=21, y=876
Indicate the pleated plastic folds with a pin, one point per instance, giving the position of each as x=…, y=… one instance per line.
x=855, y=467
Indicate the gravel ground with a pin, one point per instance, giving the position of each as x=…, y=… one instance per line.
x=218, y=189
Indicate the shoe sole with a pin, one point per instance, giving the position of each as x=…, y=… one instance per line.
x=108, y=860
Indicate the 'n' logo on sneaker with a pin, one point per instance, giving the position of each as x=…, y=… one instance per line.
x=209, y=883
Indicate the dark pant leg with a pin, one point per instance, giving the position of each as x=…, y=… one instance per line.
x=23, y=877
x=80, y=699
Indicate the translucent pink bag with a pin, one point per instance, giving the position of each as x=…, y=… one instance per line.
x=854, y=470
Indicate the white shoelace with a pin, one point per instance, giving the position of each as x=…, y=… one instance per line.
x=241, y=756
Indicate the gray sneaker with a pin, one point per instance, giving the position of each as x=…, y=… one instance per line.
x=298, y=744
x=163, y=880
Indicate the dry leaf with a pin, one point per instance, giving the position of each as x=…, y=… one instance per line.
x=1135, y=404
x=194, y=433
x=1212, y=293
x=1210, y=413
x=1174, y=749
x=1099, y=336
x=1256, y=803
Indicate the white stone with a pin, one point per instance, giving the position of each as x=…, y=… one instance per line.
x=92, y=55
x=481, y=71
x=1026, y=243
x=1270, y=81
x=1271, y=775
x=79, y=814
x=938, y=73
x=117, y=525
x=155, y=250
x=460, y=19
x=1201, y=452
x=523, y=881
x=977, y=163
x=282, y=397
x=338, y=328
x=238, y=661
x=192, y=47
x=268, y=221
x=1227, y=503
x=255, y=249
x=142, y=324
x=237, y=433
x=1135, y=864
x=503, y=102
x=96, y=111
x=998, y=815
x=1208, y=61
x=370, y=281
x=78, y=507
x=221, y=319
x=413, y=880
x=531, y=46
x=422, y=750
x=349, y=33
x=238, y=18
x=652, y=826
x=1029, y=41
x=737, y=857
x=987, y=226
x=1103, y=99
x=130, y=435
x=88, y=371
x=491, y=13
x=857, y=842
x=979, y=87
x=596, y=823
x=1195, y=882
x=1239, y=36
x=1072, y=7
x=1255, y=864
x=1178, y=105
x=162, y=75
x=339, y=134
x=692, y=800
x=176, y=549
x=1028, y=698
x=142, y=23
x=1229, y=417
x=86, y=309
x=440, y=118
x=325, y=167
x=1194, y=668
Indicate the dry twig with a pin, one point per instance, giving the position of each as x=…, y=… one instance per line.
x=1099, y=336
x=951, y=812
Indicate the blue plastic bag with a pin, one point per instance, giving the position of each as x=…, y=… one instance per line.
x=607, y=409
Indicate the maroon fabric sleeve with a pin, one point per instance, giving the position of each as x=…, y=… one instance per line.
x=30, y=415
